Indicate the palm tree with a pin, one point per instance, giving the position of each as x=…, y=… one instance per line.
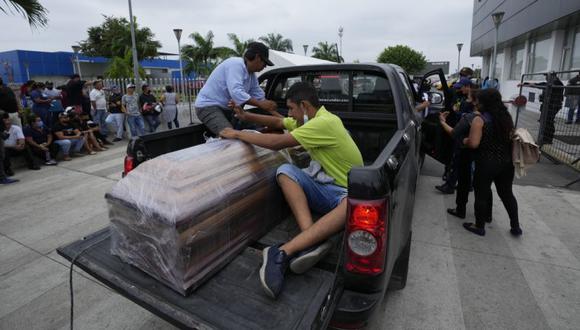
x=239, y=46
x=202, y=57
x=277, y=42
x=30, y=9
x=326, y=51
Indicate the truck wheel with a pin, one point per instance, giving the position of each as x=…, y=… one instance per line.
x=398, y=279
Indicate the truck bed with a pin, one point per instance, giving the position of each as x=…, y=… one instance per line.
x=232, y=299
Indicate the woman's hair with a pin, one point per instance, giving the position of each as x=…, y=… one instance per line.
x=169, y=89
x=489, y=100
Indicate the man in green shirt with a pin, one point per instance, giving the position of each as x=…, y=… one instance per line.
x=321, y=188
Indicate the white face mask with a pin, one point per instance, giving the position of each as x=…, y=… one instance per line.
x=305, y=116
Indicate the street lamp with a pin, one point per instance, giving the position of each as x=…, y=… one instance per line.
x=76, y=49
x=177, y=33
x=340, y=33
x=305, y=49
x=497, y=17
x=134, y=48
x=459, y=46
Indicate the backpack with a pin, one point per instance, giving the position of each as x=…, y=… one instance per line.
x=525, y=151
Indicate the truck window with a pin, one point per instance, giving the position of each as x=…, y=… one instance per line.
x=282, y=87
x=372, y=93
x=408, y=90
x=332, y=88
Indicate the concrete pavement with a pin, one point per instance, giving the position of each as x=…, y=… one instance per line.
x=456, y=279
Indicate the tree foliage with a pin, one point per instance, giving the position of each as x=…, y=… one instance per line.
x=326, y=51
x=239, y=46
x=30, y=9
x=201, y=56
x=276, y=41
x=122, y=67
x=405, y=57
x=113, y=39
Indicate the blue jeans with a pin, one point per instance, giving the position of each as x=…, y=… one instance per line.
x=322, y=198
x=136, y=125
x=119, y=120
x=153, y=122
x=100, y=118
x=66, y=145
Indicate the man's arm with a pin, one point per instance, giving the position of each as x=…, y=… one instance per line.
x=31, y=142
x=273, y=122
x=268, y=141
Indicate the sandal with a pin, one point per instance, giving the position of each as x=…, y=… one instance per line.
x=92, y=153
x=470, y=226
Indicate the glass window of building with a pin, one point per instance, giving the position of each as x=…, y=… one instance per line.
x=576, y=50
x=499, y=65
x=517, y=61
x=540, y=52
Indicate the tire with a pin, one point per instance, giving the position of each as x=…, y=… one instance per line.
x=398, y=279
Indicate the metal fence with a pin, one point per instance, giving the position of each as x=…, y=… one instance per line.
x=556, y=124
x=186, y=88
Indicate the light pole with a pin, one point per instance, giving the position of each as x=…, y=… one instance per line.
x=177, y=33
x=305, y=49
x=497, y=17
x=134, y=48
x=76, y=49
x=340, y=33
x=459, y=46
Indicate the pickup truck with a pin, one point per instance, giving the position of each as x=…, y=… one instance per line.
x=376, y=103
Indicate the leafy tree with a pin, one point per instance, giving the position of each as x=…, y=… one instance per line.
x=277, y=42
x=202, y=57
x=405, y=57
x=122, y=67
x=239, y=46
x=30, y=9
x=113, y=38
x=326, y=51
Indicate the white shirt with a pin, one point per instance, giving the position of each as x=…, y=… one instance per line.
x=51, y=92
x=98, y=96
x=15, y=134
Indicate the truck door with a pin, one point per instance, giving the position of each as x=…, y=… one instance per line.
x=435, y=142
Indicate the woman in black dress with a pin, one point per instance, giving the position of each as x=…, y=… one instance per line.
x=491, y=134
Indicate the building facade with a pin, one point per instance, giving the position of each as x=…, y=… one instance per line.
x=534, y=36
x=18, y=66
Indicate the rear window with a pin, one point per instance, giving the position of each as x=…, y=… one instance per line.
x=342, y=91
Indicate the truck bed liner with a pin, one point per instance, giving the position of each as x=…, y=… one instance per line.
x=232, y=299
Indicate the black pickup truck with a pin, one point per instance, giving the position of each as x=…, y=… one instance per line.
x=377, y=105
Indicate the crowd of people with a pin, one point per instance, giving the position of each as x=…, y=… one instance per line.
x=481, y=129
x=74, y=120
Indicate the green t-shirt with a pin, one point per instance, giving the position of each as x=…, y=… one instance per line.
x=327, y=142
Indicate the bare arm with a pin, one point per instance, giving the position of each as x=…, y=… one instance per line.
x=269, y=141
x=442, y=119
x=273, y=122
x=474, y=138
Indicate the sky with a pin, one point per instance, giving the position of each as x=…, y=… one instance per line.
x=431, y=27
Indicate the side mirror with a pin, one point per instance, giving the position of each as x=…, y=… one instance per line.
x=435, y=98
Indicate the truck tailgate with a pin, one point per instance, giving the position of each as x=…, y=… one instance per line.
x=232, y=299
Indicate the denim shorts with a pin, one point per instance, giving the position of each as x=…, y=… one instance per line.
x=322, y=198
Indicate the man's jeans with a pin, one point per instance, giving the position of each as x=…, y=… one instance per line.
x=118, y=119
x=322, y=198
x=574, y=106
x=100, y=118
x=153, y=122
x=73, y=144
x=136, y=125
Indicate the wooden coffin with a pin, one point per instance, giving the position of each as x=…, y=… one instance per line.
x=182, y=216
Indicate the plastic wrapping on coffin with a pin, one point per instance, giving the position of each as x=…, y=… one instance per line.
x=182, y=216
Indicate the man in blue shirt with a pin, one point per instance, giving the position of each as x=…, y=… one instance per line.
x=234, y=80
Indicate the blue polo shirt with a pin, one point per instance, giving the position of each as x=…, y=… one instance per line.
x=229, y=81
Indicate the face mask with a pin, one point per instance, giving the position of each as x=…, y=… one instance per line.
x=40, y=124
x=305, y=116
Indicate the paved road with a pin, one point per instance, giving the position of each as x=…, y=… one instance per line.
x=456, y=280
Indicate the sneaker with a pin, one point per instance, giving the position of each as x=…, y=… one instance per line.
x=67, y=158
x=273, y=269
x=456, y=213
x=516, y=232
x=445, y=189
x=117, y=139
x=8, y=181
x=306, y=259
x=78, y=154
x=50, y=162
x=470, y=226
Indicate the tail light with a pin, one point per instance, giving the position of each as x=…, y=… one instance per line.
x=128, y=165
x=366, y=232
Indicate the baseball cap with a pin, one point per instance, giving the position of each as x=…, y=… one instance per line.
x=130, y=85
x=462, y=83
x=262, y=51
